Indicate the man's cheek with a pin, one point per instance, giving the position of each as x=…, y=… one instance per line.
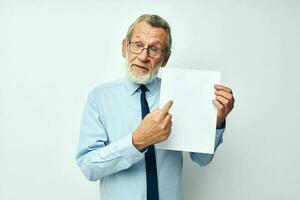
x=132, y=58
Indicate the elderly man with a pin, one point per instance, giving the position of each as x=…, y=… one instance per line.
x=122, y=123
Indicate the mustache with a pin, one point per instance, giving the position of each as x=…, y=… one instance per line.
x=141, y=65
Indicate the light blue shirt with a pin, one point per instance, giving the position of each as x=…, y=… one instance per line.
x=106, y=153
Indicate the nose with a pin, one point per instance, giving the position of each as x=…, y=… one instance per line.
x=144, y=56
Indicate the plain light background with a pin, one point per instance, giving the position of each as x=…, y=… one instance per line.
x=52, y=53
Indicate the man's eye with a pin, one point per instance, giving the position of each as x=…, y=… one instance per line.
x=139, y=45
x=153, y=49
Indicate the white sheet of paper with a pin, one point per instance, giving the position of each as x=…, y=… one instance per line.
x=193, y=112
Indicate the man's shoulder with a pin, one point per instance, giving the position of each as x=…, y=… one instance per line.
x=108, y=86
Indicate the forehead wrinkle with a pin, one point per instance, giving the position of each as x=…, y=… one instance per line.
x=150, y=33
x=147, y=31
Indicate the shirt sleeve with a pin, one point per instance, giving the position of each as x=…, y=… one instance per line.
x=95, y=157
x=204, y=158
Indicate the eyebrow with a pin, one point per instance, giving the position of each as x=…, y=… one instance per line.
x=152, y=43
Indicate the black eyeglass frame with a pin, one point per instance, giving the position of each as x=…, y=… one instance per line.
x=142, y=49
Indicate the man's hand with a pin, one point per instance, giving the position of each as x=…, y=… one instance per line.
x=155, y=128
x=224, y=102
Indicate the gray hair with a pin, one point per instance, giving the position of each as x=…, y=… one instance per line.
x=154, y=21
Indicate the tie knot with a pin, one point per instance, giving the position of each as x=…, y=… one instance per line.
x=143, y=88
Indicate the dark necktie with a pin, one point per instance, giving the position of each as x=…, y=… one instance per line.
x=151, y=172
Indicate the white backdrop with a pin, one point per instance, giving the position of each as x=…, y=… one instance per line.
x=52, y=53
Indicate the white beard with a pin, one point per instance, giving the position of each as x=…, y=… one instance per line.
x=142, y=79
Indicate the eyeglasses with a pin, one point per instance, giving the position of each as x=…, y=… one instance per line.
x=138, y=47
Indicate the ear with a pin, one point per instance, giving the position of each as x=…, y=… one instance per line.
x=165, y=61
x=124, y=48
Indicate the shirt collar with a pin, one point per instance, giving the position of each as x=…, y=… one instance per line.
x=133, y=87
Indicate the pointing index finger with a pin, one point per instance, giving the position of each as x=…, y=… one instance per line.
x=165, y=109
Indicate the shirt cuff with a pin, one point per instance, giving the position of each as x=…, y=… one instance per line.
x=223, y=125
x=130, y=153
